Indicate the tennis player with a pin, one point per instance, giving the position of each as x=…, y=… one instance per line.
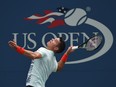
x=43, y=61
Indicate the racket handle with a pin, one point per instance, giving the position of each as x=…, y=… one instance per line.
x=75, y=47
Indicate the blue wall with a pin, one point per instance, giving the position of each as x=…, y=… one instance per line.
x=100, y=72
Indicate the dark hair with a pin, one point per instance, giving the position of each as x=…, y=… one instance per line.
x=61, y=46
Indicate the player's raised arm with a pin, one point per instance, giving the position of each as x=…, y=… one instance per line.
x=28, y=53
x=64, y=58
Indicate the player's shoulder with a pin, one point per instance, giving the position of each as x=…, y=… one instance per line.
x=45, y=50
x=41, y=49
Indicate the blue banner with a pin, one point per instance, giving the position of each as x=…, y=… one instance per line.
x=32, y=23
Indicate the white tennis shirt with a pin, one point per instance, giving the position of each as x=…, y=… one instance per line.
x=40, y=69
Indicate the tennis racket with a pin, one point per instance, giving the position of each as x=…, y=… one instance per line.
x=91, y=44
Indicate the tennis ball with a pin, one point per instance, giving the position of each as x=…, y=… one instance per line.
x=75, y=17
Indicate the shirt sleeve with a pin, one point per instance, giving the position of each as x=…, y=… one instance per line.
x=41, y=51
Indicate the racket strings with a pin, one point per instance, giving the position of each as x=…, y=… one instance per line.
x=93, y=43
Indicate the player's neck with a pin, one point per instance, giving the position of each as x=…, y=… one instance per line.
x=49, y=49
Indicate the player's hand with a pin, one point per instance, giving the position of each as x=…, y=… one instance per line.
x=69, y=50
x=12, y=44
